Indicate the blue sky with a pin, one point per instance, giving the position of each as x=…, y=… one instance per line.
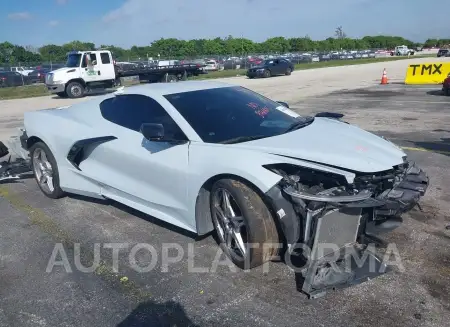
x=139, y=22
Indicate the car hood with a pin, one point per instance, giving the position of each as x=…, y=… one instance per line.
x=334, y=143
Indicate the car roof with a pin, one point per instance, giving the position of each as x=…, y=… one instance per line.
x=160, y=89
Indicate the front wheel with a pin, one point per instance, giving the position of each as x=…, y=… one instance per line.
x=75, y=90
x=447, y=92
x=245, y=227
x=45, y=170
x=288, y=71
x=267, y=73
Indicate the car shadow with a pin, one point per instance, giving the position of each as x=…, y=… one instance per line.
x=436, y=93
x=154, y=314
x=90, y=94
x=141, y=215
x=442, y=146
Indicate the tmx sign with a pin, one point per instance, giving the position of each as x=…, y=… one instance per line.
x=427, y=73
x=430, y=69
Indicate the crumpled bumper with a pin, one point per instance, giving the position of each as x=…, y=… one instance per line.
x=405, y=195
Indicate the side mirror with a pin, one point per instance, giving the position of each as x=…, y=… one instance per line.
x=284, y=104
x=152, y=132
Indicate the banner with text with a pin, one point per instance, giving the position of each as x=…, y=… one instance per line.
x=428, y=73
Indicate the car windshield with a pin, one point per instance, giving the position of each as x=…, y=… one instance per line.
x=73, y=60
x=234, y=114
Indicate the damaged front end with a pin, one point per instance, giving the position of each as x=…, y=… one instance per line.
x=330, y=217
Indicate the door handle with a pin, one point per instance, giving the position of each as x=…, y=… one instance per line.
x=98, y=72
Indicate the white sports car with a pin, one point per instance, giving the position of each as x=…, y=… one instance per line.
x=210, y=156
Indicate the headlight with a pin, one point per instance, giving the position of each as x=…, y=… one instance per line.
x=260, y=70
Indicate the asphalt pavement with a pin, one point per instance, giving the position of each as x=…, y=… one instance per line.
x=35, y=228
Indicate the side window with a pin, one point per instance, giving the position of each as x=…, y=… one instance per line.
x=104, y=57
x=133, y=110
x=93, y=59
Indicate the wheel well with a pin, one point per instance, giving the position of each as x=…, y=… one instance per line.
x=32, y=141
x=79, y=80
x=203, y=217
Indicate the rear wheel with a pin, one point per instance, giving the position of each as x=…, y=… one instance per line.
x=75, y=90
x=288, y=71
x=447, y=92
x=170, y=79
x=244, y=225
x=45, y=170
x=267, y=73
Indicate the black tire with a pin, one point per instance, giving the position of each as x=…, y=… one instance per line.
x=259, y=224
x=288, y=71
x=57, y=192
x=170, y=78
x=62, y=94
x=267, y=73
x=75, y=90
x=447, y=92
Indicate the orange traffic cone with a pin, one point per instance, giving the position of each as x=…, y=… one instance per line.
x=384, y=79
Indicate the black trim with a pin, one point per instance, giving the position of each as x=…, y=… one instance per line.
x=290, y=221
x=76, y=155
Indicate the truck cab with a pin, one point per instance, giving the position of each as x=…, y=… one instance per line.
x=84, y=70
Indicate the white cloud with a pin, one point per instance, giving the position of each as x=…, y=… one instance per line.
x=139, y=22
x=19, y=16
x=53, y=23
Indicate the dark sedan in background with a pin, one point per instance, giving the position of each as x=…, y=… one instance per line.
x=271, y=67
x=38, y=75
x=443, y=53
x=9, y=79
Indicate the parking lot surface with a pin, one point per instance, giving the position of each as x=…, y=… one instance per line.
x=417, y=118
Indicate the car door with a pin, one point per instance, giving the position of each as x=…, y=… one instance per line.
x=18, y=79
x=277, y=67
x=149, y=176
x=90, y=71
x=106, y=66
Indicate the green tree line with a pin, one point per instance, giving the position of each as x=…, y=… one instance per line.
x=174, y=48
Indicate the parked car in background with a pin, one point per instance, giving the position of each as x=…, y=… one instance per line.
x=38, y=75
x=271, y=67
x=402, y=50
x=21, y=70
x=443, y=53
x=211, y=66
x=9, y=79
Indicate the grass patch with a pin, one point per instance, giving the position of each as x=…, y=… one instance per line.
x=20, y=92
x=40, y=90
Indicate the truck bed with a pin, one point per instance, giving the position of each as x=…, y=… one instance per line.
x=190, y=69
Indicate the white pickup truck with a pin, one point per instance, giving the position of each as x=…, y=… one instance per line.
x=21, y=70
x=402, y=50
